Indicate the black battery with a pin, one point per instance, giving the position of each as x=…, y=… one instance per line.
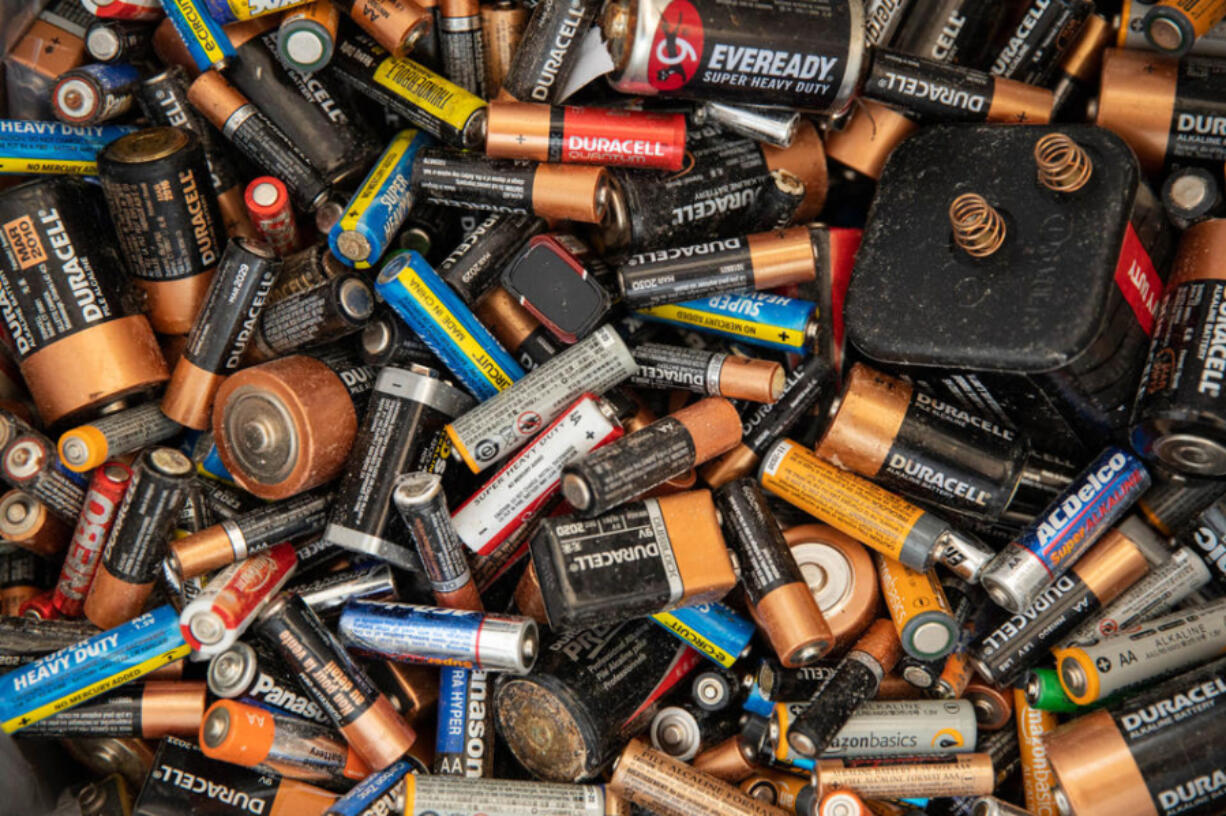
x=549, y=49
x=955, y=31
x=163, y=98
x=388, y=341
x=119, y=41
x=142, y=526
x=31, y=464
x=334, y=309
x=1047, y=29
x=557, y=279
x=1050, y=332
x=474, y=266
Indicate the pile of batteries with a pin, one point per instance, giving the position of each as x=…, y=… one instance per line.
x=382, y=436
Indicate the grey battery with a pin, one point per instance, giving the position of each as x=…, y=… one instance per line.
x=420, y=500
x=883, y=728
x=770, y=125
x=330, y=592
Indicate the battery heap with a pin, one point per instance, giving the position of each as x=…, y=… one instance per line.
x=610, y=407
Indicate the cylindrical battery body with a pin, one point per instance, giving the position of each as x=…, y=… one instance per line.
x=420, y=500
x=397, y=25
x=925, y=621
x=1173, y=27
x=549, y=50
x=1045, y=32
x=335, y=309
x=960, y=775
x=1037, y=779
x=462, y=44
x=102, y=501
x=94, y=93
x=272, y=215
x=150, y=710
x=708, y=372
x=465, y=741
x=85, y=447
x=502, y=26
x=474, y=266
x=29, y=463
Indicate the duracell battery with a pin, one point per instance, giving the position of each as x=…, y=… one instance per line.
x=960, y=32
x=27, y=523
x=364, y=716
x=474, y=266
x=52, y=259
x=940, y=92
x=1044, y=33
x=420, y=500
x=855, y=680
x=304, y=270
x=1159, y=752
x=87, y=446
x=1033, y=726
x=335, y=309
x=126, y=575
x=169, y=227
x=882, y=19
x=707, y=372
x=548, y=50
x=461, y=43
x=646, y=459
x=473, y=182
x=30, y=464
x=502, y=27
x=257, y=138
x=515, y=327
x=1079, y=68
x=1191, y=195
x=639, y=559
x=957, y=775
x=397, y=25
x=221, y=332
x=23, y=578
x=151, y=710
x=927, y=628
x=764, y=260
x=776, y=590
x=1172, y=26
x=388, y=341
x=666, y=786
x=1114, y=564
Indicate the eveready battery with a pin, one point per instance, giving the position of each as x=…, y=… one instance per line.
x=85, y=447
x=759, y=318
x=232, y=599
x=717, y=631
x=54, y=148
x=448, y=327
x=102, y=500
x=206, y=42
x=465, y=742
x=440, y=637
x=807, y=57
x=378, y=209
x=77, y=673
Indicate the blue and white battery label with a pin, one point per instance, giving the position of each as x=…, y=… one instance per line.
x=204, y=37
x=412, y=634
x=375, y=787
x=759, y=318
x=105, y=661
x=54, y=147
x=715, y=630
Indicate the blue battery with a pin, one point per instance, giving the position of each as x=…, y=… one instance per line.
x=715, y=630
x=379, y=207
x=54, y=147
x=105, y=661
x=463, y=743
x=205, y=40
x=760, y=318
x=370, y=790
x=446, y=325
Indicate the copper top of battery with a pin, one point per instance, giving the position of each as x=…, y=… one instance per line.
x=840, y=575
x=146, y=146
x=528, y=599
x=965, y=775
x=738, y=462
x=188, y=398
x=518, y=130
x=215, y=98
x=26, y=522
x=172, y=708
x=284, y=426
x=508, y=321
x=459, y=8
x=794, y=624
x=1201, y=249
x=993, y=707
x=397, y=25
x=1016, y=102
x=241, y=32
x=805, y=159
x=880, y=642
x=748, y=378
x=174, y=304
x=782, y=257
x=869, y=137
x=1111, y=566
x=726, y=761
x=379, y=734
x=112, y=601
x=201, y=552
x=714, y=426
x=1136, y=100
x=1095, y=769
x=412, y=689
x=108, y=361
x=1085, y=58
x=571, y=192
x=698, y=545
x=866, y=423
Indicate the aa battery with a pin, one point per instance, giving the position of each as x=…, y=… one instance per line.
x=523, y=488
x=994, y=806
x=427, y=100
x=956, y=31
x=465, y=742
x=771, y=683
x=960, y=775
x=397, y=25
x=85, y=447
x=272, y=215
x=442, y=637
x=26, y=522
x=335, y=309
x=253, y=672
x=53, y=240
x=448, y=327
x=149, y=710
x=84, y=670
x=1033, y=725
x=31, y=465
x=502, y=423
x=232, y=599
x=306, y=36
x=54, y=148
x=221, y=332
x=335, y=681
x=502, y=27
x=881, y=728
x=268, y=741
x=610, y=138
x=1159, y=752
x=818, y=53
x=420, y=500
x=875, y=517
x=719, y=632
x=708, y=372
x=1173, y=27
x=1130, y=32
x=95, y=93
x=548, y=50
x=856, y=679
x=1094, y=501
x=758, y=318
x=686, y=730
x=474, y=265
x=1077, y=78
x=462, y=44
x=257, y=138
x=406, y=410
x=921, y=613
x=473, y=182
x=1044, y=33
x=102, y=501
x=1157, y=648
x=118, y=41
x=378, y=209
x=202, y=37
x=329, y=593
x=1044, y=692
x=776, y=788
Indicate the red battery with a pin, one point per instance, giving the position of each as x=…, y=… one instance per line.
x=621, y=138
x=139, y=10
x=106, y=489
x=40, y=607
x=267, y=200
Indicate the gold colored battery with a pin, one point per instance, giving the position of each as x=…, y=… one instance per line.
x=1173, y=25
x=962, y=775
x=502, y=25
x=993, y=706
x=921, y=613
x=1037, y=776
x=26, y=522
x=727, y=760
x=397, y=25
x=775, y=788
x=869, y=137
x=841, y=576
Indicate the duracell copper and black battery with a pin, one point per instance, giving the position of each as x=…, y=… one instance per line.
x=502, y=27
x=1114, y=564
x=337, y=684
x=772, y=683
x=407, y=408
x=221, y=332
x=470, y=181
x=1191, y=195
x=882, y=19
x=855, y=680
x=955, y=775
x=961, y=32
x=870, y=514
x=306, y=269
x=685, y=730
x=669, y=552
x=1183, y=388
x=1077, y=77
x=30, y=464
x=473, y=267
x=420, y=500
x=336, y=308
x=397, y=25
x=137, y=544
x=461, y=43
x=548, y=50
x=940, y=92
x=1159, y=752
x=1045, y=31
x=87, y=446
x=51, y=258
x=514, y=326
x=151, y=710
x=646, y=459
x=764, y=260
x=708, y=372
x=27, y=523
x=926, y=623
x=778, y=596
x=157, y=191
x=1205, y=534
x=1172, y=26
x=269, y=741
x=257, y=138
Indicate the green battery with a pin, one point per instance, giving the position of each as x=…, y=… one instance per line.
x=1044, y=692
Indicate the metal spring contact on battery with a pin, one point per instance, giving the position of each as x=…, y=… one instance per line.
x=978, y=227
x=1064, y=167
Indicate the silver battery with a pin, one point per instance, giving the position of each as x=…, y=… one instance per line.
x=332, y=591
x=885, y=728
x=771, y=125
x=676, y=732
x=882, y=19
x=991, y=806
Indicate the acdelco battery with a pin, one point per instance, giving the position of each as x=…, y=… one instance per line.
x=1048, y=332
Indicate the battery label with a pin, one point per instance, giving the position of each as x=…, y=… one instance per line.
x=685, y=273
x=1011, y=648
x=40, y=147
x=712, y=629
x=432, y=795
x=103, y=662
x=651, y=456
x=761, y=318
x=225, y=325
x=662, y=366
x=930, y=90
x=117, y=714
x=131, y=429
x=421, y=87
x=1138, y=280
x=205, y=40
x=1185, y=371
x=1198, y=122
x=1032, y=55
x=383, y=200
x=381, y=792
x=464, y=744
x=437, y=636
x=450, y=179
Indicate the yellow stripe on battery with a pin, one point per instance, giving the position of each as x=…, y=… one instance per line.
x=247, y=9
x=57, y=166
x=428, y=91
x=378, y=177
x=700, y=643
x=732, y=325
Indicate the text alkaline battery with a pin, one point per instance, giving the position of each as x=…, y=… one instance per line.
x=1173, y=27
x=759, y=318
x=378, y=209
x=958, y=775
x=253, y=672
x=102, y=500
x=306, y=36
x=233, y=598
x=150, y=710
x=718, y=632
x=423, y=507
x=465, y=737
x=54, y=148
x=438, y=636
x=95, y=93
x=473, y=267
x=708, y=372
x=411, y=286
x=272, y=215
x=556, y=279
x=30, y=464
x=880, y=728
x=1065, y=529
x=330, y=311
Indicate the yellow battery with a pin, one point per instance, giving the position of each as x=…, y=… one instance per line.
x=1037, y=776
x=921, y=613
